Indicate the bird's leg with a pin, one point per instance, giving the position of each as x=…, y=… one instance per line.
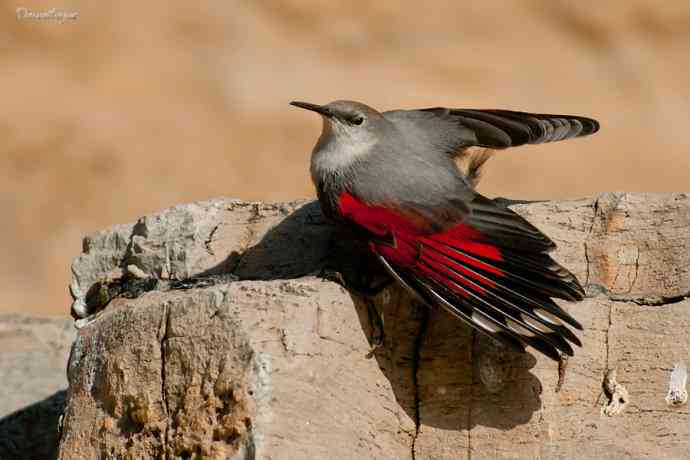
x=366, y=288
x=369, y=287
x=366, y=292
x=365, y=279
x=328, y=271
x=371, y=284
x=367, y=284
x=377, y=327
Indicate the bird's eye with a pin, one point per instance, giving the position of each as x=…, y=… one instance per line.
x=358, y=120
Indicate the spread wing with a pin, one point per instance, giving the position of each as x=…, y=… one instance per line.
x=491, y=269
x=491, y=128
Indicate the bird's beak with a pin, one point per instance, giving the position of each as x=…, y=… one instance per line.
x=320, y=109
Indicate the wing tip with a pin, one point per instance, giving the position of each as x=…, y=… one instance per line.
x=589, y=125
x=553, y=339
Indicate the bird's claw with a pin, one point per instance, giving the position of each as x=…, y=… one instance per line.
x=328, y=274
x=372, y=350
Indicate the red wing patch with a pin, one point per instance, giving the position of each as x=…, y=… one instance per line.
x=410, y=232
x=464, y=272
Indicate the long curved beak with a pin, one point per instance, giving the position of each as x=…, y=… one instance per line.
x=313, y=107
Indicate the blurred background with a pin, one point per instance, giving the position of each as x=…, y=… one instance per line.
x=134, y=107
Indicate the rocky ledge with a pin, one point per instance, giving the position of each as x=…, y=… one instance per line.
x=206, y=331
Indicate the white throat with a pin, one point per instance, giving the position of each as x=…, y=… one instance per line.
x=338, y=149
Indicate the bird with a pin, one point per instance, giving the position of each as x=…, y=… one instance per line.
x=396, y=179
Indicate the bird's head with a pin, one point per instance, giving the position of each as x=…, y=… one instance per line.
x=346, y=119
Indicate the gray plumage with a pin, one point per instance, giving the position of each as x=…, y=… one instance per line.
x=401, y=169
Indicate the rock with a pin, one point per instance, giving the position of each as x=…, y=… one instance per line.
x=33, y=353
x=231, y=347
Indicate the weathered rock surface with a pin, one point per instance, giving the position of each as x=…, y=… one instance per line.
x=217, y=340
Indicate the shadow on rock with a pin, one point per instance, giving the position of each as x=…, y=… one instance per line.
x=32, y=432
x=442, y=374
x=296, y=247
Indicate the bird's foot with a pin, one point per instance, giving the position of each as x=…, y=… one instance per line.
x=330, y=274
x=370, y=287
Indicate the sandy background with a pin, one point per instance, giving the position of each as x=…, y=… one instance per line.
x=134, y=107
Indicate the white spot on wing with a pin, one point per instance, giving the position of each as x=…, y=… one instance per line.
x=548, y=317
x=484, y=323
x=519, y=328
x=541, y=327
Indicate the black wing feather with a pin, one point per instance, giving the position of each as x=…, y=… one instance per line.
x=500, y=129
